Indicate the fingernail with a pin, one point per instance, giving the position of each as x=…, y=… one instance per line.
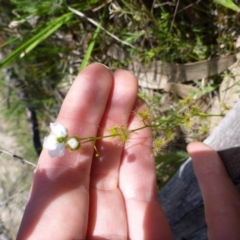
x=103, y=65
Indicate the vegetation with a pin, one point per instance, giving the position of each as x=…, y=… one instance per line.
x=45, y=43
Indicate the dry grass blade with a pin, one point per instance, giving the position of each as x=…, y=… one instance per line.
x=17, y=157
x=82, y=15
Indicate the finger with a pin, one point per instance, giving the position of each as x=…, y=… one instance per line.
x=58, y=203
x=107, y=216
x=220, y=196
x=146, y=219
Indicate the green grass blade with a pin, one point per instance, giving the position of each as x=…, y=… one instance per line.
x=228, y=4
x=9, y=41
x=29, y=45
x=89, y=49
x=91, y=45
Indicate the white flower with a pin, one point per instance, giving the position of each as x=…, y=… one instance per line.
x=59, y=130
x=56, y=143
x=73, y=143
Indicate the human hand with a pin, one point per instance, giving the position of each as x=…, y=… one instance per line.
x=220, y=196
x=113, y=196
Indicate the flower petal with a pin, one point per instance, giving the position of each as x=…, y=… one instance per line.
x=50, y=142
x=59, y=151
x=58, y=129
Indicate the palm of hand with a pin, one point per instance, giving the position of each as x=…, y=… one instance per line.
x=113, y=196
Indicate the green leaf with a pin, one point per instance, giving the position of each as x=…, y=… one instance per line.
x=90, y=48
x=228, y=4
x=30, y=44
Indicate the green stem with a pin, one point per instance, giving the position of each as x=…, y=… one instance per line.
x=93, y=139
x=210, y=115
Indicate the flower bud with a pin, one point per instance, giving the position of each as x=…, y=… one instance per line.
x=73, y=143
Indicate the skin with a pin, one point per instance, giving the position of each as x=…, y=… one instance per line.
x=114, y=196
x=220, y=196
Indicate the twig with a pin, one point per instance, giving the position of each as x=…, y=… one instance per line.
x=23, y=160
x=190, y=5
x=175, y=12
x=32, y=115
x=101, y=6
x=80, y=14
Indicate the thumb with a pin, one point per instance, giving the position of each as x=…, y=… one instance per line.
x=220, y=196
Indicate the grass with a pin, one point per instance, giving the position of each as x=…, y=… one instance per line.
x=45, y=43
x=43, y=37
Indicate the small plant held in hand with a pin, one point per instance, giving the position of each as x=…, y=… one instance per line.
x=58, y=140
x=55, y=143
